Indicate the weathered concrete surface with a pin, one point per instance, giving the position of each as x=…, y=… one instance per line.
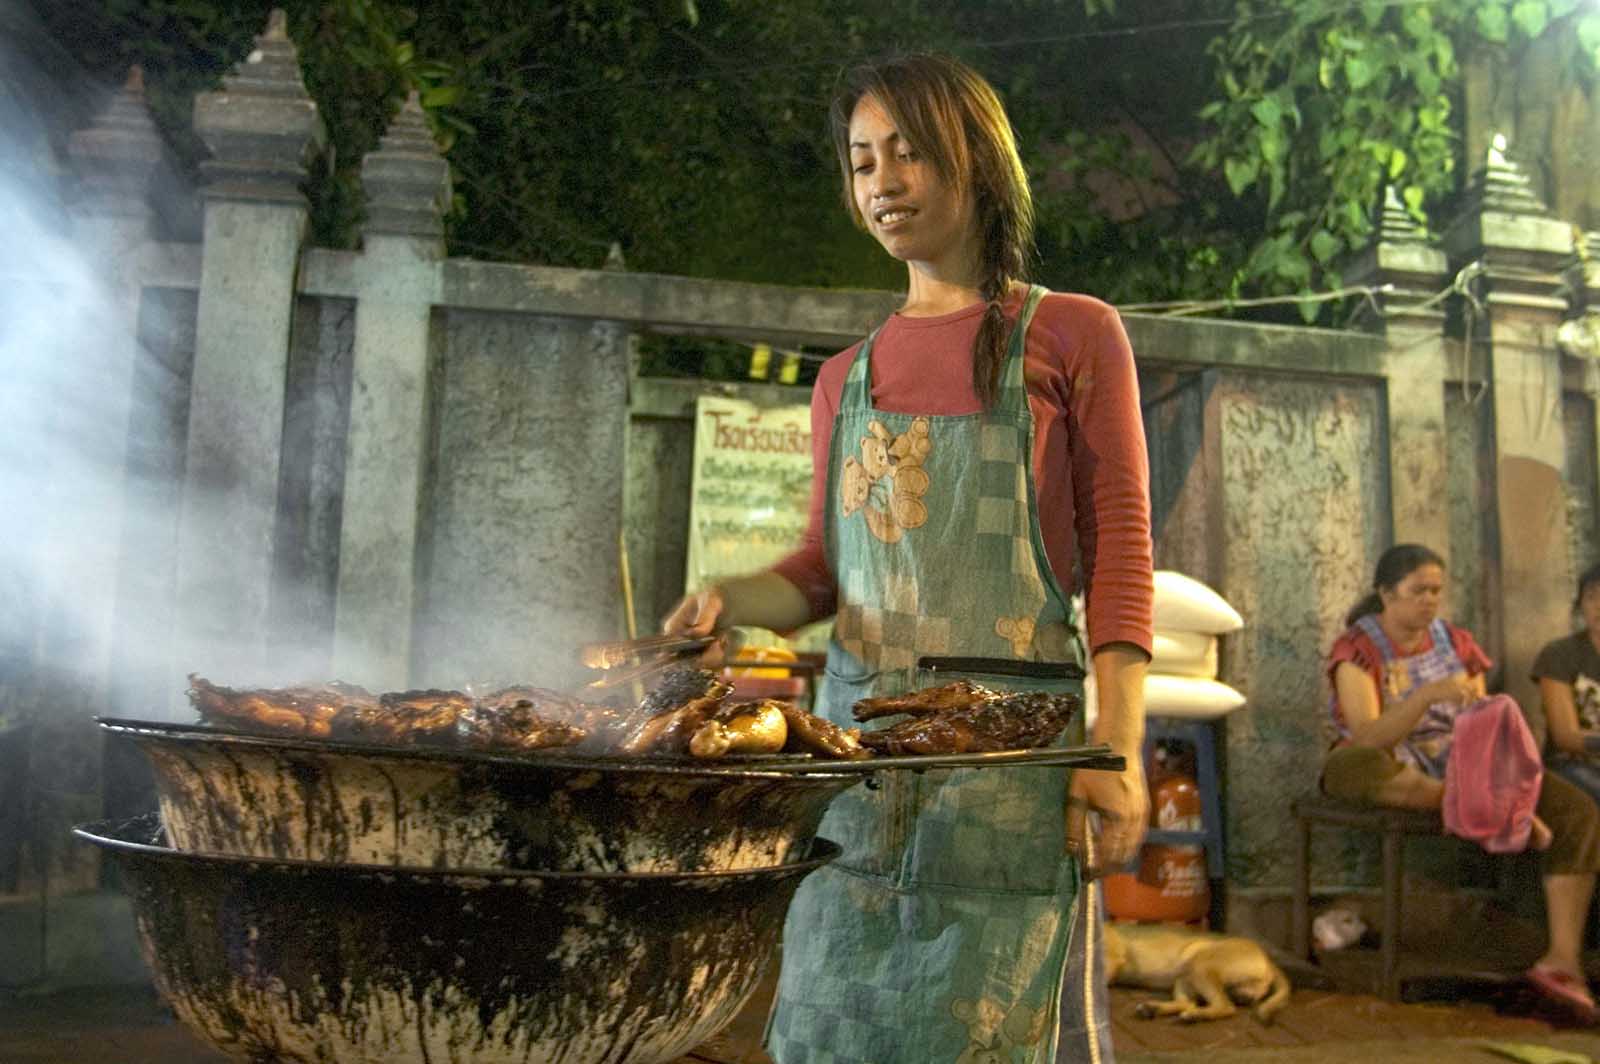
x=1578, y=479
x=235, y=438
x=1302, y=500
x=1163, y=341
x=312, y=481
x=522, y=535
x=386, y=462
x=1418, y=463
x=1474, y=571
x=671, y=304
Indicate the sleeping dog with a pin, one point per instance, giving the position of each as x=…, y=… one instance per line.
x=1206, y=972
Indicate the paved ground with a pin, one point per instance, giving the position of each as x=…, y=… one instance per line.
x=128, y=1026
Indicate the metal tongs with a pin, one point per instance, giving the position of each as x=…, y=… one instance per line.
x=630, y=660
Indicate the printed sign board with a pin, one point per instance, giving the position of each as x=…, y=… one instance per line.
x=750, y=493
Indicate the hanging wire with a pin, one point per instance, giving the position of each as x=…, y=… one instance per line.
x=1461, y=286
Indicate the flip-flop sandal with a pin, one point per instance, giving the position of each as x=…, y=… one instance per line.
x=1568, y=991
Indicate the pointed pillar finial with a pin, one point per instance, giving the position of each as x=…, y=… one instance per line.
x=117, y=157
x=261, y=126
x=406, y=180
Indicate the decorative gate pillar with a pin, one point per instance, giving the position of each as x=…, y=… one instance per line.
x=1412, y=319
x=1522, y=250
x=407, y=186
x=1579, y=337
x=115, y=159
x=261, y=127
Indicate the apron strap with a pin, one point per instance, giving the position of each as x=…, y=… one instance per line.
x=1013, y=395
x=857, y=394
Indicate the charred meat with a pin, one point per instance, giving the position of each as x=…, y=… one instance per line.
x=958, y=695
x=679, y=687
x=529, y=718
x=674, y=711
x=1006, y=722
x=313, y=710
x=406, y=717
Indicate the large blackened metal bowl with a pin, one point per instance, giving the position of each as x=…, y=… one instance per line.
x=322, y=800
x=305, y=961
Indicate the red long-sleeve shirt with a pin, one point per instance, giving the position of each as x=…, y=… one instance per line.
x=1090, y=467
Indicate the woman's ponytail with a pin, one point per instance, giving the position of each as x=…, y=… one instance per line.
x=1003, y=261
x=1370, y=603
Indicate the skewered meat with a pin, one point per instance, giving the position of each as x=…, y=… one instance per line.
x=313, y=710
x=742, y=728
x=1008, y=722
x=811, y=734
x=957, y=695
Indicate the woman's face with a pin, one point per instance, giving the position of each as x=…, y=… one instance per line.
x=1414, y=602
x=905, y=205
x=1589, y=607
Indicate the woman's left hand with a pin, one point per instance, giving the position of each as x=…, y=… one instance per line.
x=1107, y=813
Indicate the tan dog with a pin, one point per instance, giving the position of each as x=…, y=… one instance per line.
x=1206, y=973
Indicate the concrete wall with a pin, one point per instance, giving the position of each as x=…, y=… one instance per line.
x=520, y=557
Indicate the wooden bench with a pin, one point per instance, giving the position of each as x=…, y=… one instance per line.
x=1392, y=825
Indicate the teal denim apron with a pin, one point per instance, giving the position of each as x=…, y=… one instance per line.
x=941, y=935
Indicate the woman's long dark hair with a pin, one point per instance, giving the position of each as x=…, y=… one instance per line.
x=952, y=116
x=1590, y=577
x=1397, y=563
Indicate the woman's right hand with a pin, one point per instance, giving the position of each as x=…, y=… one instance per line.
x=696, y=614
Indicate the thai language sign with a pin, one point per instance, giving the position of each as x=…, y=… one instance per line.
x=750, y=492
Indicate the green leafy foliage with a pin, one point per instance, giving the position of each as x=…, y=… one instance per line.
x=1179, y=149
x=1324, y=104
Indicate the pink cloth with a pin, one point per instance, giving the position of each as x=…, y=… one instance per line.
x=1492, y=780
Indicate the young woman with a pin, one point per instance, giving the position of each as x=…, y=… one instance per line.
x=1401, y=677
x=971, y=451
x=1568, y=673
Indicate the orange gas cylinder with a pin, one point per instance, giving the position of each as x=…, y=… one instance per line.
x=1177, y=872
x=1171, y=884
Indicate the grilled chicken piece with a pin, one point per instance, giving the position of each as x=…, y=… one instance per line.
x=811, y=734
x=957, y=695
x=683, y=701
x=528, y=718
x=670, y=732
x=311, y=709
x=1007, y=722
x=742, y=728
x=426, y=717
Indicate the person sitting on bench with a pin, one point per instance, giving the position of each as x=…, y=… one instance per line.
x=1567, y=671
x=1401, y=675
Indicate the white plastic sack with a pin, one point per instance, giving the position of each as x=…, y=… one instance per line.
x=1184, y=654
x=1189, y=697
x=1184, y=604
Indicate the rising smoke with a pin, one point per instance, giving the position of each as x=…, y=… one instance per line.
x=93, y=412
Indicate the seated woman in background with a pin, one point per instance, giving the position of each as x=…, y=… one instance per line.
x=1568, y=673
x=1401, y=676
